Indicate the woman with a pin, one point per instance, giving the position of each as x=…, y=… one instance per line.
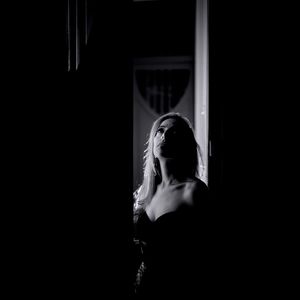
x=168, y=211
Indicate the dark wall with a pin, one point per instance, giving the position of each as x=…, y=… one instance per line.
x=68, y=140
x=101, y=113
x=163, y=28
x=252, y=163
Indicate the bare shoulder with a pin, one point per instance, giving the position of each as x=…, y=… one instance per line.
x=198, y=186
x=196, y=192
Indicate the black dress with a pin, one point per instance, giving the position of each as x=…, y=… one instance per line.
x=173, y=258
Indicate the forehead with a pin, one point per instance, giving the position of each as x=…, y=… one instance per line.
x=169, y=122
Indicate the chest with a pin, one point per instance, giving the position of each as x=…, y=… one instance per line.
x=167, y=200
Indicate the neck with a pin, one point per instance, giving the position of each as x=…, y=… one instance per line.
x=172, y=172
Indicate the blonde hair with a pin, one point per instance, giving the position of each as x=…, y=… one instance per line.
x=143, y=195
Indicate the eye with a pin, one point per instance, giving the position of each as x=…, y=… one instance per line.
x=174, y=131
x=159, y=131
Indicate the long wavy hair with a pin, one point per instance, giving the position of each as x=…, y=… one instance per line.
x=143, y=195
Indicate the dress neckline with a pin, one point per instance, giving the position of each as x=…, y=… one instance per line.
x=160, y=217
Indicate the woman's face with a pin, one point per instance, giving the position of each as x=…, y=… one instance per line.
x=169, y=139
